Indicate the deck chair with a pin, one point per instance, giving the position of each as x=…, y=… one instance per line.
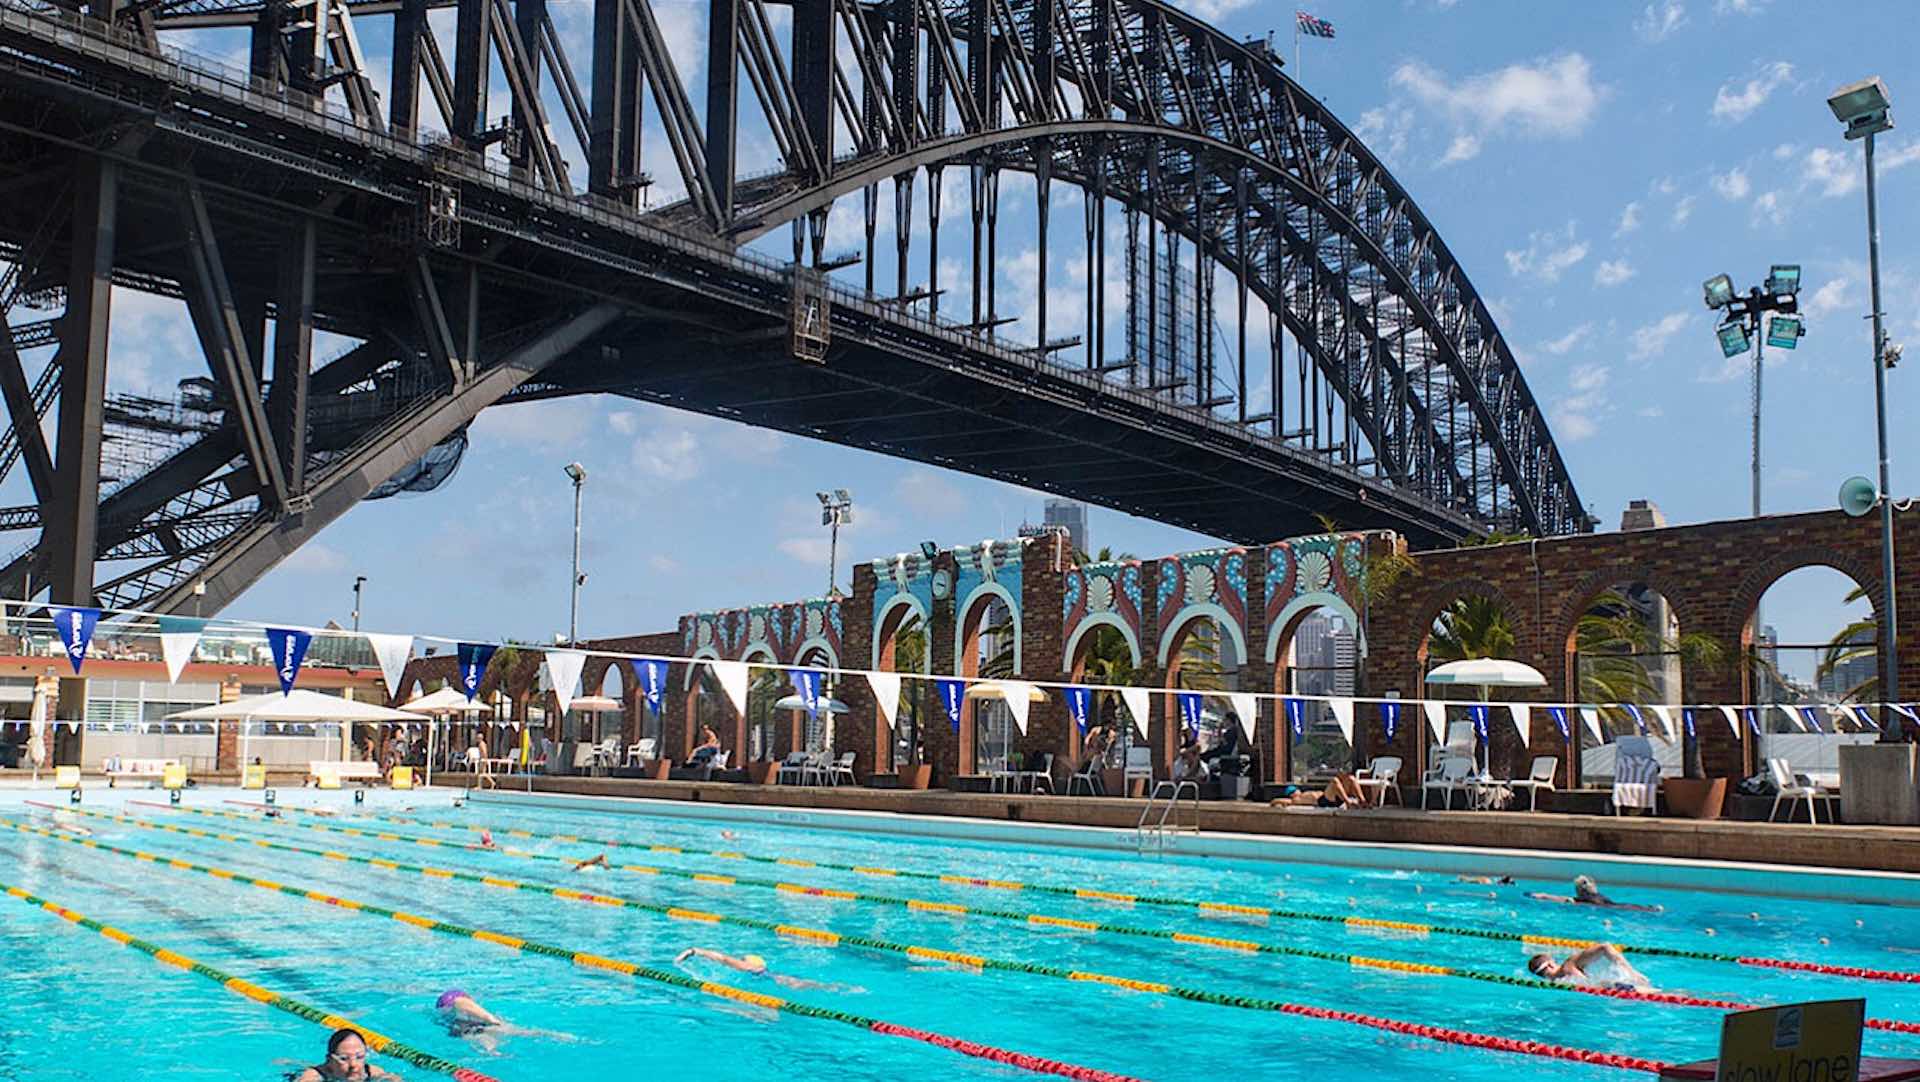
x=1539, y=776
x=1087, y=776
x=1382, y=775
x=1043, y=772
x=1636, y=775
x=1790, y=789
x=1450, y=777
x=1139, y=765
x=842, y=768
x=793, y=769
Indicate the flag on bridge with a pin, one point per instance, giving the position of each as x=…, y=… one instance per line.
x=1312, y=27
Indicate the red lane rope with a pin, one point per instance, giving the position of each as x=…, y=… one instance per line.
x=1036, y=1064
x=1857, y=972
x=1482, y=1040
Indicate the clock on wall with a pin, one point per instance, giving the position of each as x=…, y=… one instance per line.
x=942, y=584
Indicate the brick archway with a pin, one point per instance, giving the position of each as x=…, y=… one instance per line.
x=1172, y=734
x=1504, y=746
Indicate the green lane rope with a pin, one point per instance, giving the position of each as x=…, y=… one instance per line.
x=376, y=1041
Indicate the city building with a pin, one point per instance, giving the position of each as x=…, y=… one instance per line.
x=1072, y=515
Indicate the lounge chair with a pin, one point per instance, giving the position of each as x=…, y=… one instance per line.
x=1791, y=789
x=1453, y=775
x=1139, y=765
x=842, y=768
x=818, y=768
x=1033, y=778
x=1539, y=776
x=1383, y=774
x=1086, y=776
x=641, y=752
x=793, y=769
x=1636, y=775
x=585, y=758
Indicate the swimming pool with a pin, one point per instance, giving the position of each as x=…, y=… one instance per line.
x=1153, y=967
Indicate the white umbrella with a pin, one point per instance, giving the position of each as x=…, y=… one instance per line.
x=296, y=705
x=595, y=704
x=1488, y=672
x=795, y=702
x=445, y=703
x=997, y=691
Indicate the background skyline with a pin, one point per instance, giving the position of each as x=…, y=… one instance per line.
x=1589, y=170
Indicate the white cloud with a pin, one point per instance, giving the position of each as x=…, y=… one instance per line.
x=1652, y=411
x=671, y=455
x=1733, y=184
x=623, y=422
x=807, y=550
x=1548, y=254
x=1565, y=344
x=1612, y=272
x=1839, y=172
x=1683, y=209
x=1768, y=206
x=1553, y=98
x=1659, y=21
x=1653, y=338
x=315, y=557
x=666, y=565
x=544, y=425
x=1739, y=7
x=1831, y=297
x=1663, y=186
x=1784, y=151
x=1629, y=219
x=1737, y=103
x=927, y=493
x=1588, y=377
x=1385, y=130
x=1577, y=416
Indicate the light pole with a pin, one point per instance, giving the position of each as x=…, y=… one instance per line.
x=836, y=510
x=579, y=475
x=1742, y=326
x=1863, y=107
x=359, y=581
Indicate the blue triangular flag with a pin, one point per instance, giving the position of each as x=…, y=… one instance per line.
x=806, y=684
x=1686, y=715
x=952, y=694
x=1813, y=719
x=1560, y=719
x=289, y=650
x=1390, y=719
x=75, y=626
x=1079, y=705
x=1190, y=712
x=1297, y=717
x=1634, y=713
x=651, y=675
x=1478, y=712
x=474, y=657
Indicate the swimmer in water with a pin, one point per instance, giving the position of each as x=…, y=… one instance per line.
x=1485, y=880
x=486, y=839
x=1584, y=968
x=1587, y=892
x=465, y=1017
x=729, y=835
x=591, y=864
x=752, y=965
x=346, y=1059
x=63, y=821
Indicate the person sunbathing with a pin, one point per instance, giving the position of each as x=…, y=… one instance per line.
x=1343, y=792
x=1599, y=966
x=1587, y=892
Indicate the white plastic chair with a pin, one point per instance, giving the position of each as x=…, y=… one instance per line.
x=1451, y=776
x=1139, y=765
x=1084, y=776
x=640, y=752
x=1790, y=789
x=842, y=768
x=1041, y=773
x=793, y=769
x=818, y=769
x=1539, y=776
x=1382, y=774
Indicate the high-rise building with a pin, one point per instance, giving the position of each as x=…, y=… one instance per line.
x=1072, y=516
x=1346, y=659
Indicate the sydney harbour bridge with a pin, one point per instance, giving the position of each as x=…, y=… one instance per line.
x=491, y=205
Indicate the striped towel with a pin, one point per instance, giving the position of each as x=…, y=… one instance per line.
x=1636, y=779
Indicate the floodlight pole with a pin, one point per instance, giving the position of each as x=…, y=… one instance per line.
x=1889, y=613
x=1759, y=365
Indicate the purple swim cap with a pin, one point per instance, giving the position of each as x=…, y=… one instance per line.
x=448, y=997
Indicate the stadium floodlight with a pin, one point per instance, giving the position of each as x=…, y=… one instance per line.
x=1784, y=279
x=1783, y=332
x=1719, y=290
x=1863, y=107
x=1733, y=339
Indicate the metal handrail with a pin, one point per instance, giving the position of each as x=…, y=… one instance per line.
x=1172, y=790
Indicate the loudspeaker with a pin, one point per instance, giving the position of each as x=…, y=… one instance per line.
x=1858, y=496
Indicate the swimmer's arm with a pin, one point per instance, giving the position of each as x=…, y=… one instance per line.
x=1561, y=899
x=308, y=1075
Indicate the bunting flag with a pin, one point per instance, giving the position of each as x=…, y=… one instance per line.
x=1522, y=722
x=1905, y=710
x=806, y=684
x=1019, y=697
x=75, y=626
x=1478, y=712
x=1297, y=717
x=650, y=676
x=289, y=646
x=1436, y=718
x=1312, y=27
x=1079, y=705
x=179, y=635
x=733, y=677
x=886, y=693
x=1590, y=717
x=473, y=658
x=1246, y=707
x=1560, y=722
x=1666, y=720
x=1753, y=719
x=1137, y=702
x=1189, y=712
x=563, y=672
x=1813, y=719
x=1390, y=720
x=1865, y=714
x=1733, y=720
x=952, y=694
x=1343, y=717
x=393, y=652
x=1686, y=719
x=1793, y=718
x=1639, y=722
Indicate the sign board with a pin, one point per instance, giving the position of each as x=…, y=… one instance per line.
x=1798, y=1042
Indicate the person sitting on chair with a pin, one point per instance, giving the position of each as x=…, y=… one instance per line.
x=1189, y=765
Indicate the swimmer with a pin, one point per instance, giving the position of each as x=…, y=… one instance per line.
x=346, y=1058
x=1485, y=880
x=63, y=821
x=486, y=839
x=750, y=964
x=1581, y=967
x=1587, y=892
x=465, y=1017
x=729, y=835
x=592, y=864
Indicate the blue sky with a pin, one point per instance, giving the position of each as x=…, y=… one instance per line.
x=1588, y=164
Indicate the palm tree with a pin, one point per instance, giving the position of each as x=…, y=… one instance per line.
x=1612, y=640
x=910, y=655
x=1858, y=640
x=1471, y=627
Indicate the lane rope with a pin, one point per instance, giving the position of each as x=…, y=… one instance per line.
x=584, y=959
x=823, y=937
x=376, y=1041
x=1204, y=908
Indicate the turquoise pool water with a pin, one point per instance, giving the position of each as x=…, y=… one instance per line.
x=74, y=1005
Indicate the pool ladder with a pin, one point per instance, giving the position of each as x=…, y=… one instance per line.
x=1155, y=833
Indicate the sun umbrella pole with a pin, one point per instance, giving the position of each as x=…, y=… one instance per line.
x=432, y=723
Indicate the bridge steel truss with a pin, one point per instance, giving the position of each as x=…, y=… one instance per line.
x=302, y=194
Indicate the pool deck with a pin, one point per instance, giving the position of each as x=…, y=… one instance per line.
x=1822, y=846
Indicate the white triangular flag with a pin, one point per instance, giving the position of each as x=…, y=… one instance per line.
x=1343, y=717
x=1665, y=714
x=886, y=693
x=1522, y=722
x=1591, y=716
x=563, y=672
x=1842, y=711
x=1016, y=693
x=1136, y=701
x=392, y=652
x=1793, y=717
x=733, y=677
x=1436, y=712
x=1733, y=720
x=176, y=647
x=1246, y=707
